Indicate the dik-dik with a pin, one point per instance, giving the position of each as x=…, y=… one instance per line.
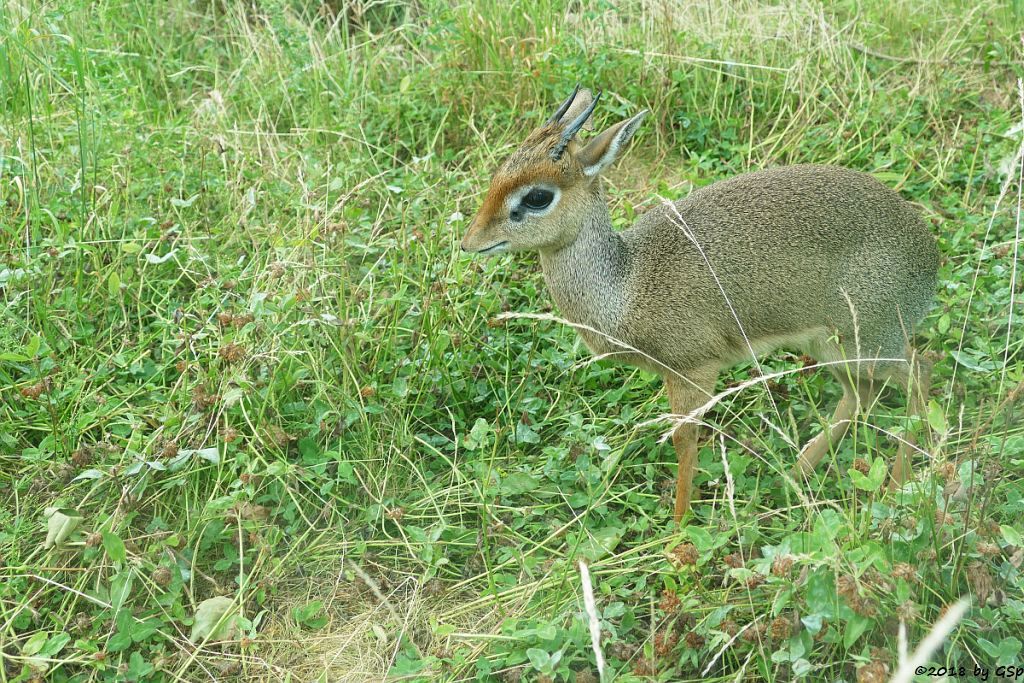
x=820, y=258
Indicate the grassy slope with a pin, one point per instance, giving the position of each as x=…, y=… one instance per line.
x=234, y=228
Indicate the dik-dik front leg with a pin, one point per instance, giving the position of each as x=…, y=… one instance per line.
x=686, y=394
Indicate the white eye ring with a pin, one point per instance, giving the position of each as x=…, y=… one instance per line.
x=514, y=200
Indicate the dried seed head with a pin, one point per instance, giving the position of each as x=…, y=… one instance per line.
x=861, y=465
x=947, y=471
x=82, y=456
x=908, y=612
x=905, y=571
x=694, y=640
x=980, y=581
x=622, y=650
x=669, y=602
x=754, y=633
x=644, y=666
x=846, y=586
x=664, y=641
x=990, y=549
x=781, y=628
x=685, y=554
x=875, y=671
x=733, y=560
x=278, y=436
x=232, y=352
x=781, y=565
x=252, y=512
x=35, y=391
x=162, y=576
x=202, y=398
x=513, y=675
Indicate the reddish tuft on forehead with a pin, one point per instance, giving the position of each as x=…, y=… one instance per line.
x=529, y=164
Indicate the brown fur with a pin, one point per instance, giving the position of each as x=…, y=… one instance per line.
x=824, y=259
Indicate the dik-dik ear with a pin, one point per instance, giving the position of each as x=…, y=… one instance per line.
x=606, y=147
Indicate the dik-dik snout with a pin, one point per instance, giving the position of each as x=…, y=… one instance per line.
x=512, y=215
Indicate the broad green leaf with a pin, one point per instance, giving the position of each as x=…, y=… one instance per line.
x=812, y=622
x=114, y=546
x=89, y=474
x=873, y=480
x=114, y=284
x=970, y=360
x=477, y=435
x=215, y=619
x=120, y=588
x=184, y=203
x=526, y=435
x=140, y=630
x=540, y=659
x=855, y=628
x=936, y=417
x=34, y=644
x=600, y=542
x=518, y=482
x=120, y=641
x=1011, y=535
x=310, y=615
x=820, y=593
x=60, y=524
x=701, y=539
x=32, y=348
x=55, y=644
x=211, y=454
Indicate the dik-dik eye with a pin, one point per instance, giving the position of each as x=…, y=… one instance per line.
x=538, y=198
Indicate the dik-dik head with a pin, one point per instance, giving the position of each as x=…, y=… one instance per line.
x=541, y=195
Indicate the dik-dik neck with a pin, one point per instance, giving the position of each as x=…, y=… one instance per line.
x=586, y=276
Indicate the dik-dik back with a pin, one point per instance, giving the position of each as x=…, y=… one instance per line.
x=771, y=257
x=823, y=259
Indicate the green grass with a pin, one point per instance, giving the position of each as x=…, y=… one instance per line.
x=239, y=346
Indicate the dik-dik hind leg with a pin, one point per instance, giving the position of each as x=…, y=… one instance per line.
x=854, y=391
x=916, y=379
x=686, y=394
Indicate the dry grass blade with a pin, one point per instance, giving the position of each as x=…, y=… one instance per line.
x=932, y=642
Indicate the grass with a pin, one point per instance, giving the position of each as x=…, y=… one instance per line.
x=242, y=356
